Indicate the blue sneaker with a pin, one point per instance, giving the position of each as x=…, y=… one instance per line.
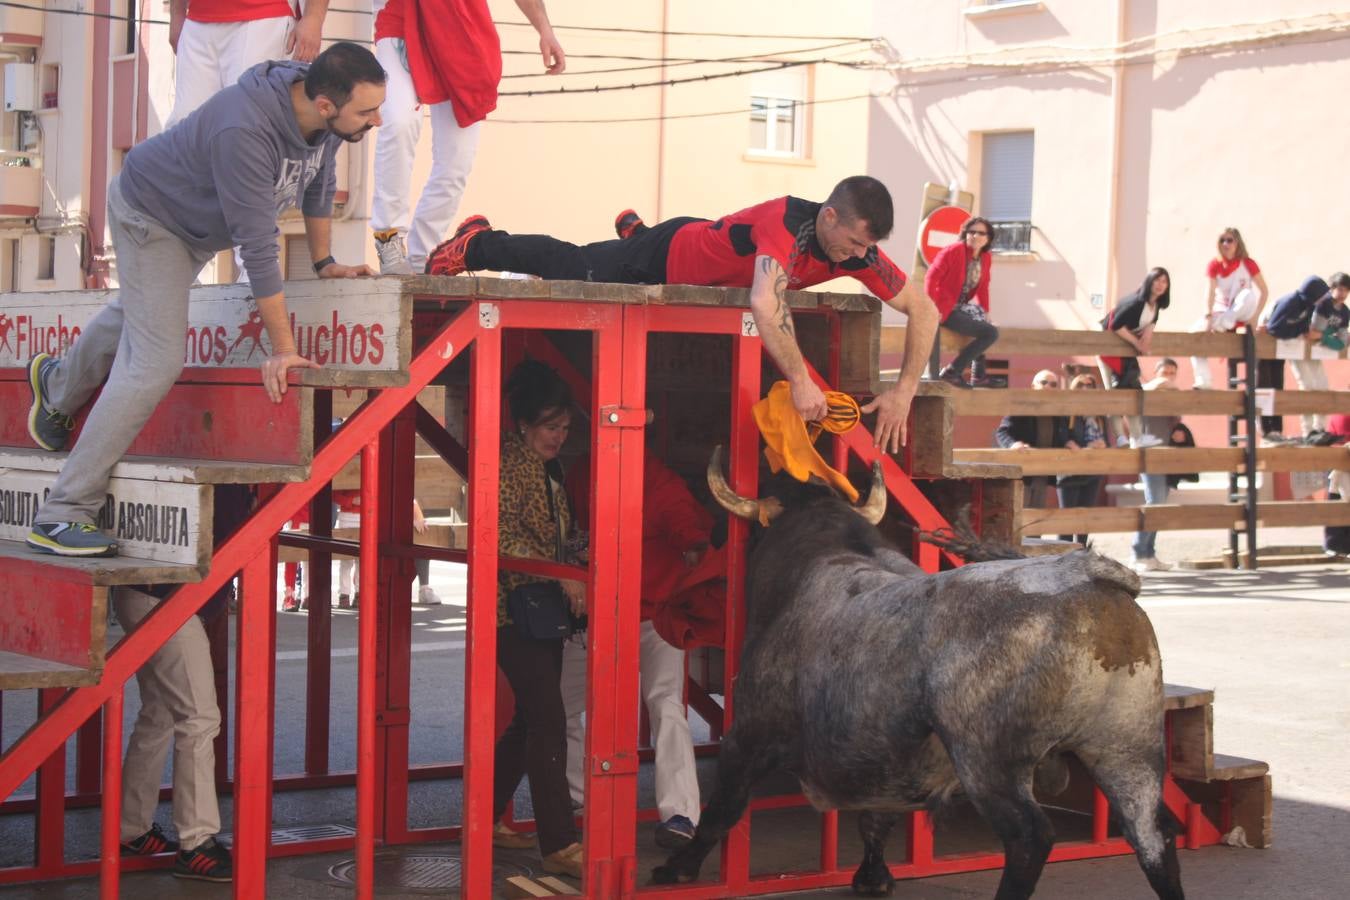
x=49, y=428
x=71, y=539
x=674, y=833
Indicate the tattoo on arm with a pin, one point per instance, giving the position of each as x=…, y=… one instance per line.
x=782, y=315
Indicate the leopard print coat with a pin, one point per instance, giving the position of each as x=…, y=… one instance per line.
x=524, y=526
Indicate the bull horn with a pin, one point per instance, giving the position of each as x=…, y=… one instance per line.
x=728, y=499
x=875, y=507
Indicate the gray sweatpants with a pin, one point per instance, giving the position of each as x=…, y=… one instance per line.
x=135, y=343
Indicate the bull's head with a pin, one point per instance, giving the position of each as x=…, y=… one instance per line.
x=764, y=511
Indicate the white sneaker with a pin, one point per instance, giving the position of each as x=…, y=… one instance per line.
x=1151, y=564
x=393, y=255
x=427, y=596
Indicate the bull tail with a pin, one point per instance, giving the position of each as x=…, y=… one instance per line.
x=962, y=541
x=1107, y=571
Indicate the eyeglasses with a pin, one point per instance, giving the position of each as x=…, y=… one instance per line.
x=1227, y=240
x=1046, y=382
x=979, y=233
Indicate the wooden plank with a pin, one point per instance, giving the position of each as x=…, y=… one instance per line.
x=859, y=352
x=1169, y=460
x=16, y=557
x=1047, y=342
x=1279, y=513
x=1031, y=402
x=518, y=887
x=930, y=436
x=1181, y=696
x=164, y=521
x=1253, y=808
x=18, y=670
x=48, y=618
x=1116, y=519
x=558, y=886
x=1232, y=768
x=1001, y=511
x=435, y=484
x=1300, y=402
x=1047, y=547
x=1192, y=742
x=152, y=468
x=353, y=326
x=199, y=421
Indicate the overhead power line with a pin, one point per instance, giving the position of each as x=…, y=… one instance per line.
x=690, y=62
x=740, y=111
x=605, y=88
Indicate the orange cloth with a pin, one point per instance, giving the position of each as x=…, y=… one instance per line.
x=789, y=443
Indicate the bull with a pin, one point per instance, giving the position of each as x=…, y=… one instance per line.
x=881, y=687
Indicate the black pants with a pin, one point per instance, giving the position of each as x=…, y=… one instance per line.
x=1270, y=374
x=1077, y=494
x=984, y=334
x=641, y=259
x=535, y=743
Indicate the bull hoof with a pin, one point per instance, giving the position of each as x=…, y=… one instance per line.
x=668, y=874
x=873, y=881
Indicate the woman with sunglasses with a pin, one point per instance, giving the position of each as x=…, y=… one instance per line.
x=1237, y=293
x=958, y=283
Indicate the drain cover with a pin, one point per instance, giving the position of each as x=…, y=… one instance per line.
x=417, y=873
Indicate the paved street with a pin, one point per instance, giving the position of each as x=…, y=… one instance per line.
x=1271, y=643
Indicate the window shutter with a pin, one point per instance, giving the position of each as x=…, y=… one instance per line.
x=1006, y=182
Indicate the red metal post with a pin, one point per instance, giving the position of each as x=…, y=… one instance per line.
x=480, y=664
x=746, y=362
x=1101, y=815
x=50, y=825
x=255, y=673
x=319, y=625
x=110, y=857
x=371, y=603
x=920, y=840
x=89, y=754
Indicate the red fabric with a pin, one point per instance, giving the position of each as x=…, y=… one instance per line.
x=1339, y=424
x=454, y=52
x=237, y=10
x=947, y=276
x=722, y=253
x=348, y=501
x=1218, y=268
x=685, y=605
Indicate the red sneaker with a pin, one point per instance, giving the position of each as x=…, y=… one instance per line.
x=626, y=223
x=448, y=257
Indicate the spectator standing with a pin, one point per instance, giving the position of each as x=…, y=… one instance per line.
x=1154, y=431
x=217, y=41
x=1133, y=320
x=1018, y=432
x=444, y=55
x=1237, y=293
x=1082, y=433
x=958, y=284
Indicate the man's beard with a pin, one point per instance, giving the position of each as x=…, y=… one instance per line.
x=351, y=137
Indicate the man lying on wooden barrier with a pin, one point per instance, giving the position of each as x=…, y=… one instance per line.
x=780, y=244
x=216, y=180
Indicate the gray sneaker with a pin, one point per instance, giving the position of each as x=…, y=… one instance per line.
x=49, y=428
x=71, y=539
x=393, y=255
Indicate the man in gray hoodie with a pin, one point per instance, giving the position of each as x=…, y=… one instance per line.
x=216, y=180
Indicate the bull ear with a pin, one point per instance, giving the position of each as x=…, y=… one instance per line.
x=728, y=499
x=875, y=507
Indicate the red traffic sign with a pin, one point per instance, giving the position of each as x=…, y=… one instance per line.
x=942, y=227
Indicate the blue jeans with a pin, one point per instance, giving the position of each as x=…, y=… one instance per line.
x=1155, y=492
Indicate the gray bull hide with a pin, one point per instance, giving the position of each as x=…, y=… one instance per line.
x=880, y=686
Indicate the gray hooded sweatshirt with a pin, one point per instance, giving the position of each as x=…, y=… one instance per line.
x=221, y=176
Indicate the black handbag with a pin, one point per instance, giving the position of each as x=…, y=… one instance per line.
x=540, y=609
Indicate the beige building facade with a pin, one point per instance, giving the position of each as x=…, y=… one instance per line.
x=1126, y=134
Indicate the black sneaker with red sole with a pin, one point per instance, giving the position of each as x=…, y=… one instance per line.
x=448, y=257
x=628, y=223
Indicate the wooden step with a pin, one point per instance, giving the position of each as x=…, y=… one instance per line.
x=358, y=330
x=1169, y=460
x=1235, y=768
x=54, y=612
x=1241, y=807
x=1191, y=745
x=163, y=521
x=1180, y=696
x=163, y=468
x=206, y=421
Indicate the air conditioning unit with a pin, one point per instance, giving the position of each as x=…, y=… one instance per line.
x=19, y=86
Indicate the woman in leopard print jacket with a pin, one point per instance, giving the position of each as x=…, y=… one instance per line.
x=533, y=522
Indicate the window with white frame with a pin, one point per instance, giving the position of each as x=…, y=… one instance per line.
x=1008, y=159
x=778, y=107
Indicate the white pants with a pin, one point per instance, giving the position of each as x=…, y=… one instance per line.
x=1339, y=481
x=347, y=564
x=452, y=152
x=178, y=706
x=212, y=56
x=661, y=669
x=1311, y=375
x=1226, y=317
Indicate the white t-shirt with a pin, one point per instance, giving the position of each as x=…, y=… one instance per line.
x=1230, y=279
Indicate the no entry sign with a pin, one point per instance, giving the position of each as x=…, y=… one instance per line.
x=941, y=228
